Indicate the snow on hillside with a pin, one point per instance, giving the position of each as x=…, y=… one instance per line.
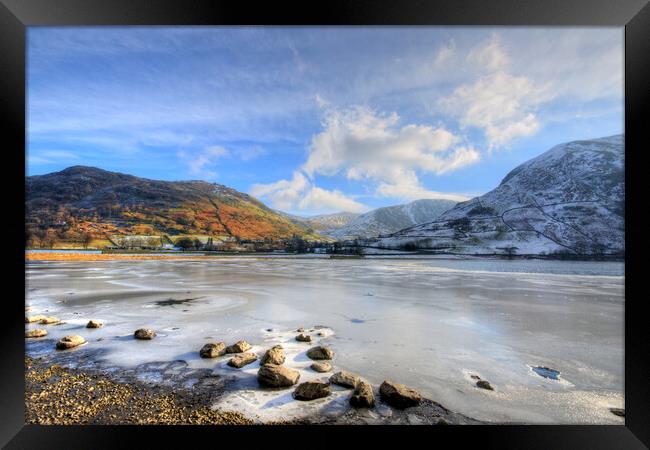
x=390, y=219
x=569, y=199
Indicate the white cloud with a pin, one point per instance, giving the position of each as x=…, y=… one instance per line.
x=501, y=104
x=299, y=194
x=201, y=164
x=363, y=144
x=409, y=188
x=51, y=157
x=445, y=53
x=490, y=55
x=250, y=153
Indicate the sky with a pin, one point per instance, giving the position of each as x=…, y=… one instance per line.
x=315, y=120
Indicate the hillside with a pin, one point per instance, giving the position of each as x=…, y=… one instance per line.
x=67, y=205
x=324, y=223
x=568, y=200
x=390, y=219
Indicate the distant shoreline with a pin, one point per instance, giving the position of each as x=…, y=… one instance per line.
x=95, y=255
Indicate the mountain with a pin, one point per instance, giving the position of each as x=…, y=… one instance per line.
x=568, y=200
x=389, y=219
x=325, y=223
x=81, y=199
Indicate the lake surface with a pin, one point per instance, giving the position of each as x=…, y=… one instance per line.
x=428, y=323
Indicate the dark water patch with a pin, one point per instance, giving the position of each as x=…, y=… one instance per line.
x=620, y=412
x=172, y=302
x=546, y=372
x=357, y=321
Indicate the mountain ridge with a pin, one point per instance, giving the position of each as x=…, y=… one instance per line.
x=79, y=200
x=567, y=200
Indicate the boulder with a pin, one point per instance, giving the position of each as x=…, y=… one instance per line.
x=213, y=350
x=319, y=352
x=271, y=375
x=302, y=337
x=36, y=318
x=363, y=396
x=238, y=347
x=70, y=342
x=300, y=330
x=274, y=355
x=48, y=320
x=321, y=367
x=399, y=395
x=144, y=333
x=311, y=390
x=94, y=324
x=35, y=333
x=345, y=379
x=484, y=385
x=242, y=360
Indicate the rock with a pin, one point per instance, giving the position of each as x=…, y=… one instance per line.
x=319, y=352
x=35, y=333
x=399, y=395
x=144, y=333
x=300, y=330
x=277, y=376
x=442, y=421
x=302, y=337
x=274, y=355
x=363, y=396
x=70, y=342
x=36, y=318
x=212, y=350
x=617, y=411
x=484, y=385
x=321, y=367
x=311, y=390
x=320, y=333
x=242, y=360
x=238, y=347
x=345, y=379
x=48, y=320
x=94, y=324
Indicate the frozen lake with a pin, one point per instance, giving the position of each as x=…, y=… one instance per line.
x=427, y=323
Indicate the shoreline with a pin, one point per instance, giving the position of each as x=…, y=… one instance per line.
x=59, y=395
x=74, y=255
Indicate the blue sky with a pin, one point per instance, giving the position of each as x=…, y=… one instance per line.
x=319, y=119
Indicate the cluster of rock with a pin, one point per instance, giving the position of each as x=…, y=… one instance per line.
x=272, y=373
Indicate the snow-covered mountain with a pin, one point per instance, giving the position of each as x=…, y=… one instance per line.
x=389, y=219
x=323, y=224
x=569, y=199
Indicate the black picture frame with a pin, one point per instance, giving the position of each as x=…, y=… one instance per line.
x=634, y=15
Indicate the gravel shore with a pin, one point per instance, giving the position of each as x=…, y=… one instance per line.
x=57, y=395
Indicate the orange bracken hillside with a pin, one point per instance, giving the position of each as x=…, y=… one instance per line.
x=78, y=202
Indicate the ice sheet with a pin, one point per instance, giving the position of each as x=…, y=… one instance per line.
x=430, y=324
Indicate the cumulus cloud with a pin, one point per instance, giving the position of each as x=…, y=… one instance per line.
x=300, y=194
x=363, y=144
x=501, y=104
x=409, y=188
